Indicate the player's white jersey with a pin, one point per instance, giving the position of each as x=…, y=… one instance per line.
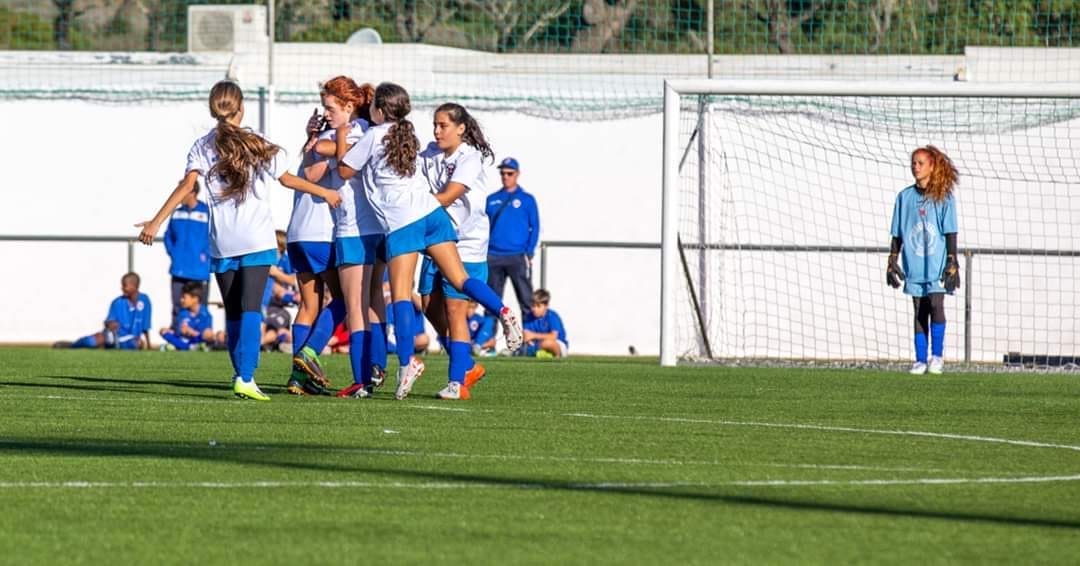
x=354, y=217
x=238, y=227
x=312, y=220
x=465, y=166
x=398, y=201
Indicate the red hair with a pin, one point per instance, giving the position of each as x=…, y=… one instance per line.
x=345, y=90
x=943, y=177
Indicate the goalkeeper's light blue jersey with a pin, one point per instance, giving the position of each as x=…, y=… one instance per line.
x=922, y=224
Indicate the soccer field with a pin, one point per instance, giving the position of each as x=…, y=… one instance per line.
x=125, y=458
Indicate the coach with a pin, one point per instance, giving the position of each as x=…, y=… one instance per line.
x=515, y=229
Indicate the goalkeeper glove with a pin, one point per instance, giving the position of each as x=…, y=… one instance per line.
x=951, y=276
x=893, y=274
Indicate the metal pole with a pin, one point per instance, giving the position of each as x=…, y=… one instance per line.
x=702, y=213
x=669, y=227
x=269, y=70
x=543, y=265
x=262, y=109
x=968, y=257
x=710, y=15
x=131, y=256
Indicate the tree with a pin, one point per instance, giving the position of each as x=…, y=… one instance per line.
x=606, y=19
x=509, y=19
x=780, y=18
x=62, y=23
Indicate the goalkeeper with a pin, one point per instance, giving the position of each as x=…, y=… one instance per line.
x=922, y=257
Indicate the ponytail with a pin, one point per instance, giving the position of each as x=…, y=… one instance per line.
x=240, y=151
x=473, y=135
x=401, y=144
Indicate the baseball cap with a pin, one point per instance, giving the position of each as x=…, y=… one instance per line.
x=509, y=163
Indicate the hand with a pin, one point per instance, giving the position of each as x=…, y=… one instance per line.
x=314, y=124
x=951, y=276
x=149, y=231
x=332, y=198
x=893, y=274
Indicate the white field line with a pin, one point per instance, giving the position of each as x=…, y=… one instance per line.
x=944, y=435
x=598, y=486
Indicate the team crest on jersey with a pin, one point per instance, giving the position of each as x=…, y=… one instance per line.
x=139, y=306
x=450, y=169
x=516, y=203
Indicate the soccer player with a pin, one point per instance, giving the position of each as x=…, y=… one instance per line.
x=545, y=334
x=412, y=218
x=454, y=168
x=187, y=241
x=924, y=229
x=315, y=232
x=238, y=168
x=515, y=230
x=127, y=326
x=481, y=332
x=193, y=325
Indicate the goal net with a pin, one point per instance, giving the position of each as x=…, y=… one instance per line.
x=777, y=204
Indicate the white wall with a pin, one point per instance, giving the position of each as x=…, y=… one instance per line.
x=85, y=168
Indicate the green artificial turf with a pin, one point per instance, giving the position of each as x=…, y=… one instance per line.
x=145, y=458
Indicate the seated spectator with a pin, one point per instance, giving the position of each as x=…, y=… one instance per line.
x=481, y=332
x=127, y=326
x=280, y=292
x=193, y=326
x=545, y=335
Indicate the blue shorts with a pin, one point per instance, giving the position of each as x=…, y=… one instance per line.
x=923, y=289
x=429, y=274
x=223, y=264
x=359, y=250
x=311, y=257
x=435, y=228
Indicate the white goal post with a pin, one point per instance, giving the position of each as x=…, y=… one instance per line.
x=876, y=124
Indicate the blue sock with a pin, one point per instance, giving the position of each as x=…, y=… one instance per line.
x=403, y=330
x=300, y=334
x=460, y=360
x=177, y=341
x=232, y=338
x=481, y=293
x=920, y=347
x=445, y=343
x=356, y=356
x=248, y=346
x=328, y=320
x=376, y=350
x=85, y=342
x=937, y=338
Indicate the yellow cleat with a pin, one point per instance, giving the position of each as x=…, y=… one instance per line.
x=248, y=390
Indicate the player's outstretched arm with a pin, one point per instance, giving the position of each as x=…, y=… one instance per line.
x=183, y=189
x=304, y=186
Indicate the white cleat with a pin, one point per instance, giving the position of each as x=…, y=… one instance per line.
x=917, y=368
x=453, y=391
x=407, y=376
x=937, y=365
x=511, y=329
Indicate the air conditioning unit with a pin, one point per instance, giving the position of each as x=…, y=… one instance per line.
x=226, y=28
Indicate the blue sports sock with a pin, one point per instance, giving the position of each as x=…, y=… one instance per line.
x=920, y=347
x=300, y=334
x=247, y=348
x=176, y=340
x=445, y=343
x=460, y=360
x=232, y=338
x=328, y=320
x=481, y=293
x=937, y=338
x=403, y=330
x=376, y=350
x=356, y=356
x=85, y=342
